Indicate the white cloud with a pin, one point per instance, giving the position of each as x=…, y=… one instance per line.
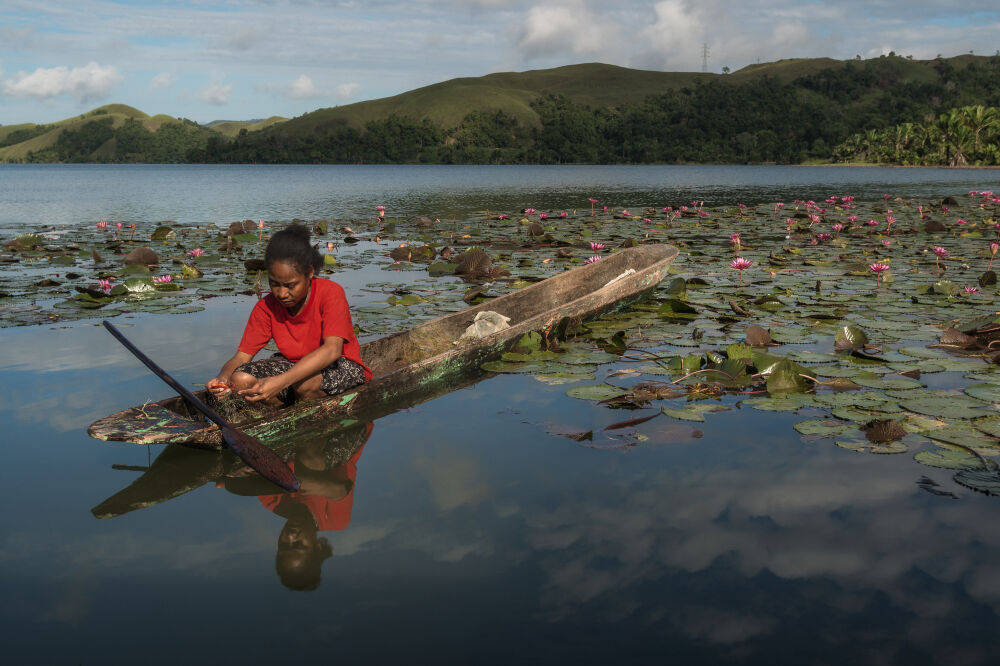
x=303, y=88
x=215, y=93
x=347, y=90
x=87, y=83
x=161, y=80
x=550, y=30
x=676, y=36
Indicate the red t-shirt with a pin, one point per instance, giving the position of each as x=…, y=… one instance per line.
x=330, y=514
x=325, y=313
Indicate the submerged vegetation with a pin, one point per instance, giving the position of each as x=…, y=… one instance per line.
x=875, y=322
x=887, y=110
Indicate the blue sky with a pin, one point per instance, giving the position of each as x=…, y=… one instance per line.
x=243, y=59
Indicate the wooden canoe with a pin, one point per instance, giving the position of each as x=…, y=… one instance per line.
x=428, y=360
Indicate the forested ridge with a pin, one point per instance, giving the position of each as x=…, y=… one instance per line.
x=884, y=110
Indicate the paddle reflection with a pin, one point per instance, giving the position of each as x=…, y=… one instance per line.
x=326, y=464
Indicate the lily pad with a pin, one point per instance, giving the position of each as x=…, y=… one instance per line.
x=981, y=480
x=596, y=392
x=946, y=407
x=779, y=403
x=967, y=435
x=987, y=392
x=949, y=457
x=861, y=445
x=871, y=380
x=823, y=427
x=693, y=412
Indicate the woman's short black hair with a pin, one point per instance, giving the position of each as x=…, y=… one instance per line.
x=292, y=245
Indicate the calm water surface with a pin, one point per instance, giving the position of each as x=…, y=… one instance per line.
x=71, y=194
x=463, y=531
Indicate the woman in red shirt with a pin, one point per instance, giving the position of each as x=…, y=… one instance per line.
x=309, y=320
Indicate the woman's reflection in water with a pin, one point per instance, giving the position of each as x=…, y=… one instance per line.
x=327, y=469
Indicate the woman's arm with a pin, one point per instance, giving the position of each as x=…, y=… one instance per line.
x=309, y=365
x=238, y=359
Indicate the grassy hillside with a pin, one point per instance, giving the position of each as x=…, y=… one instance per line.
x=118, y=113
x=231, y=128
x=446, y=104
x=46, y=137
x=788, y=111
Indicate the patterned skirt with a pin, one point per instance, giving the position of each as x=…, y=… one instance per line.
x=339, y=376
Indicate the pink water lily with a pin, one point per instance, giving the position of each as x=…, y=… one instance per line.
x=878, y=268
x=886, y=242
x=837, y=228
x=163, y=279
x=594, y=259
x=502, y=216
x=741, y=264
x=994, y=246
x=197, y=252
x=972, y=290
x=105, y=285
x=593, y=202
x=529, y=211
x=941, y=253
x=542, y=216
x=103, y=224
x=597, y=247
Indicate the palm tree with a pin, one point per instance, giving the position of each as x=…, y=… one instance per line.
x=979, y=119
x=955, y=138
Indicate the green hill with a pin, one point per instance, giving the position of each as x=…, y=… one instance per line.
x=231, y=128
x=446, y=104
x=789, y=111
x=41, y=143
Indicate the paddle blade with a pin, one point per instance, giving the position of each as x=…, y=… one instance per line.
x=262, y=459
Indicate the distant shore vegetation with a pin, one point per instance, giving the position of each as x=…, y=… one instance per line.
x=888, y=110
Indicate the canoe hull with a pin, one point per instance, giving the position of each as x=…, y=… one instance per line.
x=417, y=365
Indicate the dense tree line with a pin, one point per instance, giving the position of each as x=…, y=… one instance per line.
x=967, y=136
x=719, y=121
x=99, y=141
x=17, y=136
x=882, y=110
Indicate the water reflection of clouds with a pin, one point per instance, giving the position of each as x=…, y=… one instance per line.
x=455, y=479
x=859, y=527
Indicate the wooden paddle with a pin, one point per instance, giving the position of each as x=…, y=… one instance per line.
x=250, y=449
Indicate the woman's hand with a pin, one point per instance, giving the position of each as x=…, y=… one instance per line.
x=218, y=385
x=263, y=389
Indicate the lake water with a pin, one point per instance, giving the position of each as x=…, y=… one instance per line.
x=469, y=534
x=73, y=194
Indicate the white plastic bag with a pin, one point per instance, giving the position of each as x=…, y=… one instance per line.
x=486, y=323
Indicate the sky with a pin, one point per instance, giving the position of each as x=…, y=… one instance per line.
x=245, y=59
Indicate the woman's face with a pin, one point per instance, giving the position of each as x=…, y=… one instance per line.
x=288, y=285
